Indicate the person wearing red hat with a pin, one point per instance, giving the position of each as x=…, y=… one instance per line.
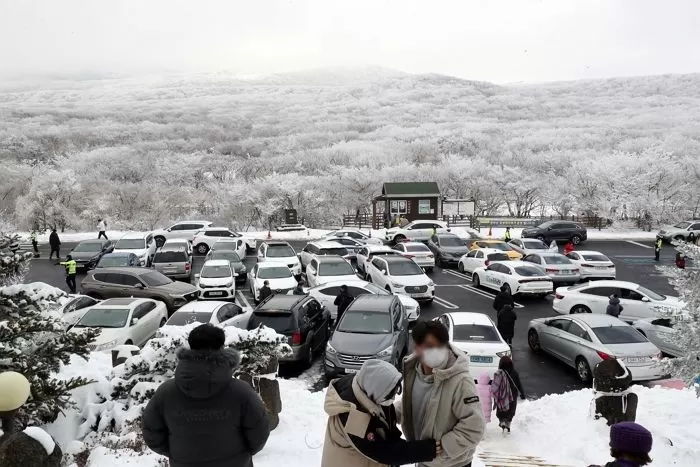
x=630, y=445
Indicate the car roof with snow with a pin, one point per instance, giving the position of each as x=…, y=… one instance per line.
x=589, y=252
x=489, y=251
x=370, y=302
x=353, y=283
x=270, y=264
x=375, y=248
x=324, y=244
x=217, y=262
x=119, y=301
x=201, y=306
x=470, y=318
x=331, y=259
x=216, y=229
x=609, y=283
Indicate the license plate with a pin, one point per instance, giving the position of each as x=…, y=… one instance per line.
x=215, y=294
x=350, y=370
x=416, y=295
x=601, y=268
x=636, y=359
x=480, y=359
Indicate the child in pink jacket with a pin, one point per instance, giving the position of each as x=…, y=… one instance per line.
x=484, y=390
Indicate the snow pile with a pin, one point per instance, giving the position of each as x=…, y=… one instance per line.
x=42, y=437
x=45, y=296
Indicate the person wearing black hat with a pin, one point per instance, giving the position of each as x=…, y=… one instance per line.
x=503, y=298
x=205, y=416
x=630, y=445
x=342, y=301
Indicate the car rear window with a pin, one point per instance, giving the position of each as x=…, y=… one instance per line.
x=416, y=248
x=279, y=321
x=333, y=251
x=279, y=251
x=589, y=257
x=335, y=269
x=451, y=241
x=528, y=271
x=557, y=260
x=185, y=317
x=475, y=333
x=113, y=261
x=170, y=257
x=497, y=257
x=618, y=335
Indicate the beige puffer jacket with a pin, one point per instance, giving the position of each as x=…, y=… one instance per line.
x=453, y=414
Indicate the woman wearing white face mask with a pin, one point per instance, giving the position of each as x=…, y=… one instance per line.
x=440, y=399
x=361, y=429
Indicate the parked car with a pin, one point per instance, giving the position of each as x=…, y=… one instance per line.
x=370, y=251
x=182, y=229
x=205, y=239
x=496, y=245
x=526, y=246
x=593, y=264
x=447, y=248
x=182, y=242
x=480, y=258
x=74, y=307
x=299, y=317
x=313, y=249
x=418, y=252
x=398, y=274
x=216, y=281
x=118, y=259
x=661, y=333
x=350, y=244
x=123, y=321
x=558, y=267
x=88, y=252
x=211, y=311
x=687, y=231
x=416, y=231
x=279, y=275
x=234, y=260
x=329, y=268
x=583, y=341
x=592, y=297
x=173, y=261
x=326, y=294
x=141, y=244
x=476, y=335
x=561, y=231
x=373, y=326
x=138, y=282
x=236, y=244
x=281, y=253
x=519, y=277
x=354, y=234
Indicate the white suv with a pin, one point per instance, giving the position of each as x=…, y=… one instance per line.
x=321, y=248
x=416, y=231
x=398, y=274
x=205, y=239
x=143, y=245
x=216, y=280
x=280, y=252
x=182, y=229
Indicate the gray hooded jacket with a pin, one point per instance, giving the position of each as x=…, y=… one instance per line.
x=204, y=417
x=614, y=307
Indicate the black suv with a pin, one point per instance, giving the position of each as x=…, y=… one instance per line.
x=561, y=231
x=301, y=318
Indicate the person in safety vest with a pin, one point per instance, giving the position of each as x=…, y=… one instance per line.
x=657, y=247
x=507, y=236
x=71, y=271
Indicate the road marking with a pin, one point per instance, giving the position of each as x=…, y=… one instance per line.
x=486, y=294
x=444, y=303
x=638, y=244
x=244, y=300
x=457, y=274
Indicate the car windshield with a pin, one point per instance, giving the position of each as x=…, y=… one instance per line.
x=340, y=268
x=365, y=322
x=496, y=246
x=594, y=257
x=333, y=251
x=170, y=257
x=405, y=268
x=214, y=272
x=104, y=318
x=154, y=279
x=618, y=335
x=475, y=332
x=113, y=261
x=416, y=248
x=650, y=293
x=180, y=318
x=280, y=251
x=534, y=245
x=130, y=244
x=558, y=259
x=528, y=271
x=376, y=290
x=451, y=241
x=497, y=257
x=231, y=256
x=276, y=272
x=682, y=225
x=88, y=247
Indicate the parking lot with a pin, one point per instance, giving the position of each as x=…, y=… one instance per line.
x=454, y=292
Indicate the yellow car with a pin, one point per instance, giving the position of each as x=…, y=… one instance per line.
x=498, y=245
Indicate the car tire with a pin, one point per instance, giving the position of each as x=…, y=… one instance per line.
x=460, y=267
x=533, y=340
x=429, y=301
x=160, y=241
x=577, y=309
x=388, y=289
x=576, y=239
x=429, y=270
x=399, y=238
x=476, y=281
x=202, y=248
x=162, y=323
x=129, y=342
x=583, y=370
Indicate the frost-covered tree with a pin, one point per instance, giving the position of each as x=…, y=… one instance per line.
x=33, y=340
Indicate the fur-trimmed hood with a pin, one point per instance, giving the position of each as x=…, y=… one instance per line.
x=201, y=374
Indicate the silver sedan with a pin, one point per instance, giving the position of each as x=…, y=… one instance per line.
x=583, y=341
x=526, y=246
x=661, y=333
x=557, y=266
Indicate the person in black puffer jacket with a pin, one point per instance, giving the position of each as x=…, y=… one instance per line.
x=204, y=417
x=505, y=318
x=503, y=298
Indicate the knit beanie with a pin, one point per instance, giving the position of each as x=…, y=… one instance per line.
x=14, y=391
x=630, y=437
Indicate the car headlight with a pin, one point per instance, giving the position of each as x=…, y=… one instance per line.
x=505, y=353
x=396, y=284
x=386, y=352
x=106, y=345
x=431, y=284
x=330, y=349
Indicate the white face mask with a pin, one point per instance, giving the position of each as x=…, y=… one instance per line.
x=436, y=357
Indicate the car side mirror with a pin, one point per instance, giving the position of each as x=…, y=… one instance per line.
x=134, y=321
x=549, y=228
x=548, y=323
x=646, y=299
x=168, y=230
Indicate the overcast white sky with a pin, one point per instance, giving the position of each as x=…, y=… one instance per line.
x=499, y=41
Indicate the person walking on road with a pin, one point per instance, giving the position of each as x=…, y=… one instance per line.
x=614, y=308
x=264, y=291
x=630, y=445
x=439, y=399
x=71, y=271
x=35, y=243
x=680, y=260
x=505, y=318
x=204, y=416
x=55, y=244
x=657, y=247
x=342, y=301
x=504, y=297
x=299, y=288
x=361, y=428
x=506, y=388
x=507, y=236
x=101, y=229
